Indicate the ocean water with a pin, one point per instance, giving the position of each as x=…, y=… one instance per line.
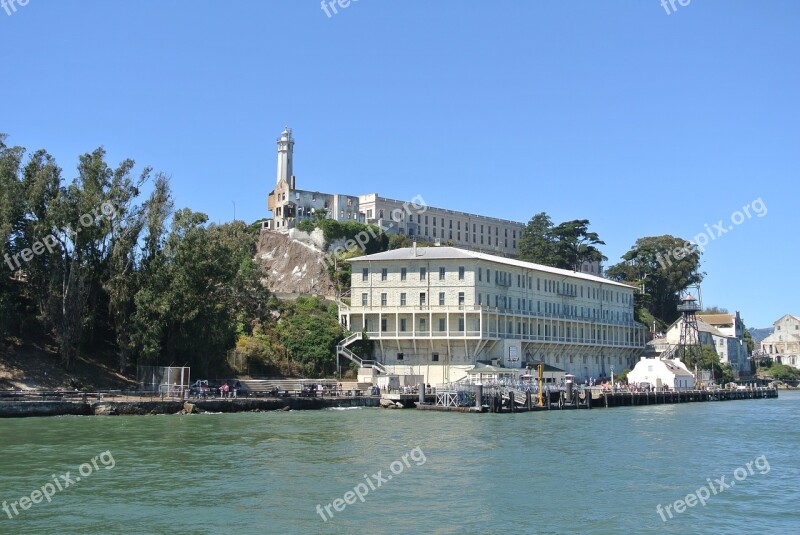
x=598, y=471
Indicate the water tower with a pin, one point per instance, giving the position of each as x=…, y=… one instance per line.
x=690, y=333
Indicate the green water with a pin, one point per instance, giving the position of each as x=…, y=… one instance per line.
x=598, y=471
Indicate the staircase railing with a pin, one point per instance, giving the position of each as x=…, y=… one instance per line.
x=341, y=349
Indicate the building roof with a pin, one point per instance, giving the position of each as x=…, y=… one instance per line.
x=704, y=327
x=547, y=367
x=454, y=253
x=488, y=368
x=718, y=319
x=677, y=367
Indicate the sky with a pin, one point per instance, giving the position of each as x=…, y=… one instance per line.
x=644, y=119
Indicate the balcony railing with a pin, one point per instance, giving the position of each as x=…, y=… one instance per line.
x=499, y=335
x=408, y=309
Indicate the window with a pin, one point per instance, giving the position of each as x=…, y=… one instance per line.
x=400, y=356
x=441, y=273
x=403, y=273
x=441, y=298
x=460, y=298
x=384, y=274
x=383, y=299
x=365, y=274
x=383, y=325
x=402, y=325
x=364, y=299
x=423, y=273
x=422, y=325
x=461, y=325
x=403, y=299
x=422, y=298
x=442, y=324
x=480, y=275
x=435, y=357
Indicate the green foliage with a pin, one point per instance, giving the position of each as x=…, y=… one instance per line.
x=623, y=376
x=306, y=225
x=123, y=282
x=781, y=372
x=708, y=359
x=301, y=342
x=370, y=237
x=399, y=241
x=652, y=263
x=748, y=339
x=567, y=245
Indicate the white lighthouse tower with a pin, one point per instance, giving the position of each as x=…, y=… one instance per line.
x=285, y=157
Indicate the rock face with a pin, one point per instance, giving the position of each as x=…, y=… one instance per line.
x=293, y=267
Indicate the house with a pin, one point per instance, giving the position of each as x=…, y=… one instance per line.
x=783, y=345
x=726, y=338
x=662, y=372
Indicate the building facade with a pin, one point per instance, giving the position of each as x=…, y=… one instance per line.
x=437, y=311
x=783, y=345
x=414, y=219
x=658, y=373
x=723, y=332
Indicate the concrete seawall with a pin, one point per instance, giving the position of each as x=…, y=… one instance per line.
x=22, y=409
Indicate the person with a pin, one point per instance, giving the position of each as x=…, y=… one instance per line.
x=225, y=389
x=236, y=386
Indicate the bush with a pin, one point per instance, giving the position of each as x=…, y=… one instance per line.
x=306, y=225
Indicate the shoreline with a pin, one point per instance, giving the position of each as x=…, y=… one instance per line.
x=28, y=409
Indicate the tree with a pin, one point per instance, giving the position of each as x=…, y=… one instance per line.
x=566, y=246
x=714, y=310
x=535, y=244
x=663, y=266
x=574, y=244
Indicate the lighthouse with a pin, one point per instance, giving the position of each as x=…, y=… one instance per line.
x=285, y=157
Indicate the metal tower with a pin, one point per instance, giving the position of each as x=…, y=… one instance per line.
x=690, y=334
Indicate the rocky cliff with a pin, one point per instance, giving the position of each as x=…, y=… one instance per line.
x=293, y=267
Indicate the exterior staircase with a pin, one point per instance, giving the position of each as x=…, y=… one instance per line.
x=342, y=351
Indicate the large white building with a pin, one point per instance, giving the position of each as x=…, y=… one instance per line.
x=437, y=311
x=783, y=344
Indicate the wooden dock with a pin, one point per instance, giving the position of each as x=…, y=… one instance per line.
x=593, y=399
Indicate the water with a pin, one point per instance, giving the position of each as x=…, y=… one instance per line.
x=598, y=471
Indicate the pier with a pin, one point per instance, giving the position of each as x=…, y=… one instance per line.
x=501, y=399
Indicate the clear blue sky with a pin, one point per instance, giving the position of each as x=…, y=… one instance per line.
x=643, y=122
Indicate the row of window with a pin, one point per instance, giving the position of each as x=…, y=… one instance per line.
x=403, y=301
x=557, y=359
x=522, y=328
x=505, y=278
